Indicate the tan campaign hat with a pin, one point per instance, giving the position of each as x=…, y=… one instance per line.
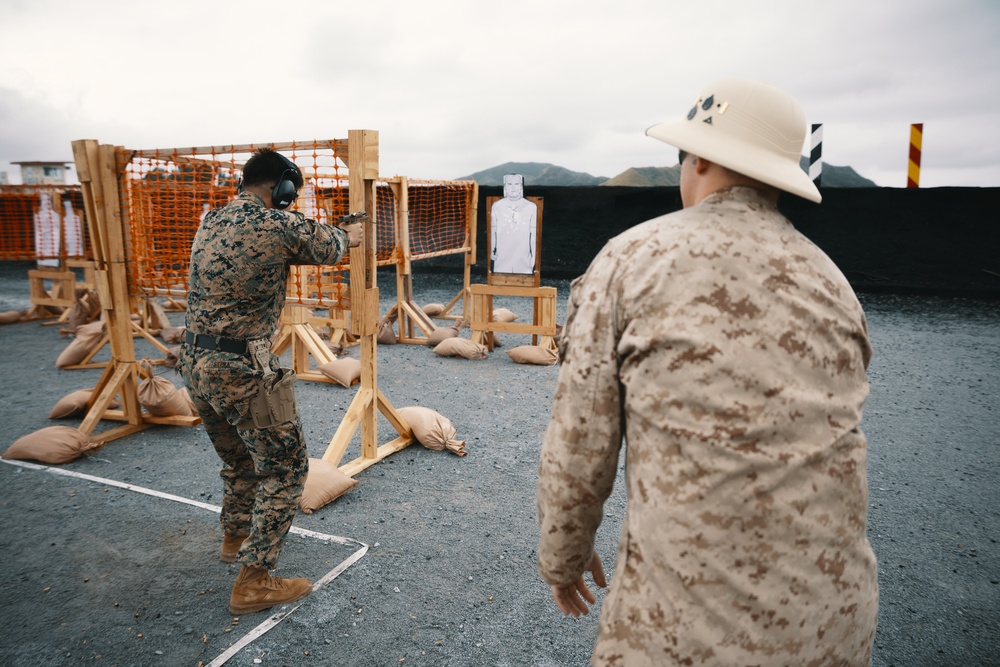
x=750, y=127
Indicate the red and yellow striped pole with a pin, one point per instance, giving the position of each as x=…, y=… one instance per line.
x=916, y=140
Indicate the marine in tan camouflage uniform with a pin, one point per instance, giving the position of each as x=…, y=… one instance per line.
x=730, y=354
x=240, y=262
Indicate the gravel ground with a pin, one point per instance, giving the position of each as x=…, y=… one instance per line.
x=430, y=560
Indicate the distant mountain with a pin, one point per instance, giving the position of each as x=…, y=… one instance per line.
x=647, y=177
x=538, y=173
x=535, y=173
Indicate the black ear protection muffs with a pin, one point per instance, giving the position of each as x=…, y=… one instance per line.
x=283, y=193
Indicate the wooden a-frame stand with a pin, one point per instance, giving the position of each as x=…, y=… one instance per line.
x=414, y=324
x=297, y=333
x=98, y=168
x=369, y=401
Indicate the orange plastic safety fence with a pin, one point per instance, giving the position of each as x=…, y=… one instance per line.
x=43, y=222
x=441, y=215
x=167, y=193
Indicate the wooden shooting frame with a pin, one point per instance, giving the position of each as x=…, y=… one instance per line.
x=99, y=168
x=413, y=323
x=369, y=400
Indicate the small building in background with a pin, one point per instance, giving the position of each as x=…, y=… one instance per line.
x=3, y=178
x=43, y=173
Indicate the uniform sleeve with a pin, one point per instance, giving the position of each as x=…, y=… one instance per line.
x=579, y=457
x=310, y=242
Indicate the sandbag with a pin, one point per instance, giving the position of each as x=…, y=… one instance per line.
x=534, y=354
x=52, y=444
x=504, y=315
x=432, y=429
x=88, y=337
x=324, y=484
x=342, y=370
x=443, y=333
x=74, y=404
x=10, y=316
x=461, y=347
x=160, y=397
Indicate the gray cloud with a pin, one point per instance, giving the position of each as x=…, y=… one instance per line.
x=457, y=87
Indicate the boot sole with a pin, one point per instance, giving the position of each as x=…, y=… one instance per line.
x=237, y=610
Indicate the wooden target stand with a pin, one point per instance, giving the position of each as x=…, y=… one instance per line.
x=527, y=285
x=369, y=400
x=98, y=167
x=44, y=302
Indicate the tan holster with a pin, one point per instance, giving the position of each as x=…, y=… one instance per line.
x=275, y=400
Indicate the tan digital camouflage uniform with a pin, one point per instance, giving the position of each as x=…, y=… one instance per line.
x=730, y=353
x=239, y=267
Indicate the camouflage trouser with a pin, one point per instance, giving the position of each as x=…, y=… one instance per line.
x=264, y=469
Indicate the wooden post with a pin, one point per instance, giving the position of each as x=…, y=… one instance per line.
x=369, y=401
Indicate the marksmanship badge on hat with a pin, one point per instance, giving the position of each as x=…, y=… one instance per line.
x=750, y=127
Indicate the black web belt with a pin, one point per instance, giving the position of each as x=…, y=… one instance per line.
x=231, y=345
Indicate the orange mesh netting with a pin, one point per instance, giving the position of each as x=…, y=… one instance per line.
x=43, y=222
x=441, y=215
x=166, y=193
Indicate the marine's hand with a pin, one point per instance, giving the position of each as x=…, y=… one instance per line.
x=572, y=599
x=354, y=232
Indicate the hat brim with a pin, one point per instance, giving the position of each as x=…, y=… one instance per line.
x=741, y=157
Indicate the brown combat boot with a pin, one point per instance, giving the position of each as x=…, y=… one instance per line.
x=256, y=590
x=231, y=547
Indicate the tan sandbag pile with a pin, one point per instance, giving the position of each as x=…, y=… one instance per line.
x=74, y=404
x=461, y=347
x=52, y=444
x=534, y=354
x=159, y=395
x=324, y=484
x=342, y=370
x=87, y=339
x=432, y=429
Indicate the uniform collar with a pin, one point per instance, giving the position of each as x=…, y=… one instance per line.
x=740, y=193
x=251, y=197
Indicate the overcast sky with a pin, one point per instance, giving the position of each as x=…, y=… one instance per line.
x=457, y=86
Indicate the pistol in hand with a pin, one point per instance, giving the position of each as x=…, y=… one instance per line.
x=352, y=225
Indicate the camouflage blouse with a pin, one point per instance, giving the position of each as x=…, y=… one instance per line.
x=239, y=265
x=730, y=355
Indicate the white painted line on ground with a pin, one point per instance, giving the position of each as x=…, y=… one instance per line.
x=275, y=618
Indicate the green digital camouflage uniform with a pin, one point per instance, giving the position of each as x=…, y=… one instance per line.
x=240, y=261
x=730, y=353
